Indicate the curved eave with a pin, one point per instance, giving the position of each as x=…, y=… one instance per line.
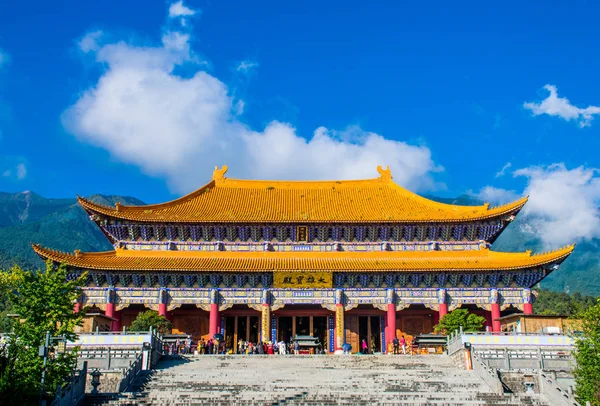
x=194, y=261
x=138, y=213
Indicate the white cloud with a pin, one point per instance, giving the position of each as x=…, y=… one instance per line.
x=246, y=66
x=89, y=42
x=496, y=195
x=561, y=107
x=180, y=127
x=503, y=170
x=563, y=206
x=21, y=171
x=177, y=9
x=16, y=172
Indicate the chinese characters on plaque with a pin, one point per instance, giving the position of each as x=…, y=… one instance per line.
x=302, y=234
x=299, y=280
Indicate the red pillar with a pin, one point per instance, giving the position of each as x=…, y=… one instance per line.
x=213, y=327
x=162, y=309
x=443, y=310
x=391, y=323
x=116, y=324
x=495, y=316
x=110, y=310
x=528, y=308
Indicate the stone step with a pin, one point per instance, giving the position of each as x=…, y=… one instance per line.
x=313, y=380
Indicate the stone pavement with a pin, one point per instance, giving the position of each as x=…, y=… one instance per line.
x=314, y=380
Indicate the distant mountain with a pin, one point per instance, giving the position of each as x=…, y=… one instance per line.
x=579, y=273
x=61, y=224
x=56, y=223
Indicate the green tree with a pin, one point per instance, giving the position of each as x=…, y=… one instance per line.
x=560, y=303
x=459, y=318
x=44, y=302
x=587, y=357
x=8, y=281
x=150, y=318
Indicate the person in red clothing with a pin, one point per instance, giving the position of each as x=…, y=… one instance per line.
x=270, y=349
x=364, y=346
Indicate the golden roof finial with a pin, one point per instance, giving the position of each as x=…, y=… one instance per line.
x=385, y=174
x=219, y=174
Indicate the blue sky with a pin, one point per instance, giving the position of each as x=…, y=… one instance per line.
x=158, y=96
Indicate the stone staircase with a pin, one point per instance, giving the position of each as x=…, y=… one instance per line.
x=313, y=380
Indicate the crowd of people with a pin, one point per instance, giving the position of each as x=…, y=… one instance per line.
x=212, y=346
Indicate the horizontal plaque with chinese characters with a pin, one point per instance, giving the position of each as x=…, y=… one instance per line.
x=302, y=280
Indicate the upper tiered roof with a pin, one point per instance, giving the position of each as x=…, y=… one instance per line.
x=225, y=200
x=199, y=261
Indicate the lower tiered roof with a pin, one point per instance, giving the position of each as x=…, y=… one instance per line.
x=199, y=261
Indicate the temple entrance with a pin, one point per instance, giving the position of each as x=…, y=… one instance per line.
x=320, y=329
x=369, y=329
x=303, y=326
x=306, y=320
x=247, y=328
x=241, y=323
x=415, y=320
x=188, y=319
x=364, y=323
x=284, y=331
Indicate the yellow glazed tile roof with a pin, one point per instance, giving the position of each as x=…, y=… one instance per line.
x=476, y=260
x=372, y=200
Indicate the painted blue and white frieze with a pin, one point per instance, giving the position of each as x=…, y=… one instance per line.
x=327, y=298
x=251, y=236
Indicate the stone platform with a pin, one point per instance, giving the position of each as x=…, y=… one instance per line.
x=314, y=380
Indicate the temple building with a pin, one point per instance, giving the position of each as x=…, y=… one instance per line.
x=340, y=260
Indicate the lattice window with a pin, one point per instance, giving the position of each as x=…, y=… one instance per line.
x=195, y=233
x=420, y=233
x=256, y=233
x=415, y=279
x=322, y=234
x=159, y=233
x=348, y=234
x=402, y=279
x=183, y=233
x=390, y=280
x=171, y=233
x=446, y=233
x=268, y=233
x=377, y=280
x=336, y=233
x=207, y=233
x=360, y=233
x=407, y=234
x=189, y=280
x=372, y=233
x=266, y=280
x=397, y=233
x=384, y=233
x=441, y=279
x=281, y=233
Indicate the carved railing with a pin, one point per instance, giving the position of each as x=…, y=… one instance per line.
x=488, y=374
x=131, y=373
x=72, y=394
x=554, y=393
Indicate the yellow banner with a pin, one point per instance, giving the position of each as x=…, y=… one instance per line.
x=302, y=280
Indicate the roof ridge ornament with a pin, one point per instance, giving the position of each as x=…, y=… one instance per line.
x=384, y=174
x=219, y=174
